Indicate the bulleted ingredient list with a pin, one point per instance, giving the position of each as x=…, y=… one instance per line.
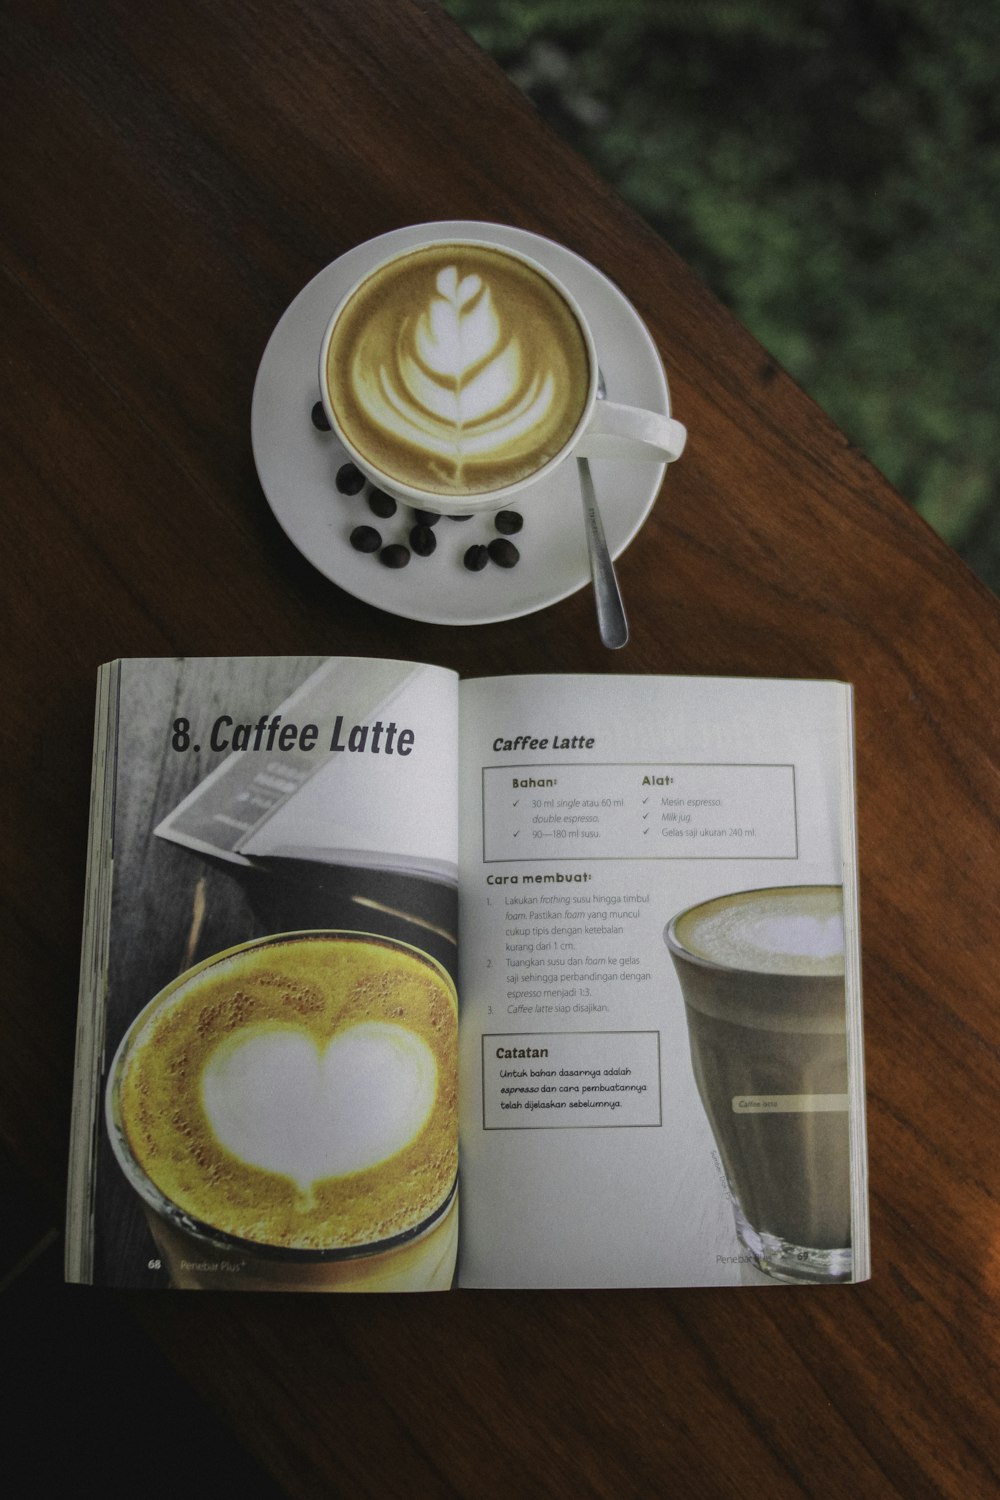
x=628, y=811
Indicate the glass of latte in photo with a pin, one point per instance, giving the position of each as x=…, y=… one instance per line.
x=458, y=374
x=286, y=1111
x=762, y=975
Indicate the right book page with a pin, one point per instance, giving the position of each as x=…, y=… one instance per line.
x=661, y=1046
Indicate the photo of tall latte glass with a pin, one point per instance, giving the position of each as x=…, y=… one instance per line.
x=762, y=975
x=287, y=1113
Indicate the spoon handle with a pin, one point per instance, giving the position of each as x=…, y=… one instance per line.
x=611, y=621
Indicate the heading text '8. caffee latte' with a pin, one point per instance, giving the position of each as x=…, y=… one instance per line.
x=458, y=369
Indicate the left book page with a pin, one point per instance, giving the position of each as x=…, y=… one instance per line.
x=266, y=1070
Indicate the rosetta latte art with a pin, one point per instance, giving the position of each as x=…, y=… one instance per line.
x=455, y=387
x=462, y=372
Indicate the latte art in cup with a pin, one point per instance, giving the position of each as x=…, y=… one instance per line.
x=457, y=369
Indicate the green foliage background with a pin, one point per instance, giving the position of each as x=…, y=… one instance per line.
x=831, y=168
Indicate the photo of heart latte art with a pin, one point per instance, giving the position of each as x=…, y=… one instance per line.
x=278, y=1101
x=458, y=369
x=299, y=1092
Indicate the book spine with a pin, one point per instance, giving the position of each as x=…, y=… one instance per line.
x=79, y=1257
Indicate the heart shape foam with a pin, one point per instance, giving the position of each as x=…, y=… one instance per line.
x=280, y=1102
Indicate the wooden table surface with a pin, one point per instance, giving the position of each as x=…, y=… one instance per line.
x=174, y=175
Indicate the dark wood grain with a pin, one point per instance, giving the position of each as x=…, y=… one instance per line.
x=173, y=176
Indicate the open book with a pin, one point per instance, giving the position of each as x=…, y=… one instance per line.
x=396, y=982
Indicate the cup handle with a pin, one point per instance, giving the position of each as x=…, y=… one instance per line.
x=616, y=431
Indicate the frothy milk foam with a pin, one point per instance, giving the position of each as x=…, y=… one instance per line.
x=283, y=1104
x=300, y=1093
x=458, y=369
x=770, y=932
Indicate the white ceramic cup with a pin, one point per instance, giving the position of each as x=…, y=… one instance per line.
x=605, y=429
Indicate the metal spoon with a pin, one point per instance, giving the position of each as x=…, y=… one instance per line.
x=611, y=621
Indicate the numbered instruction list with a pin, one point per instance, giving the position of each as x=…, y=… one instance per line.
x=626, y=811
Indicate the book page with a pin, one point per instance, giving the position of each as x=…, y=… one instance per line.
x=268, y=1008
x=617, y=1128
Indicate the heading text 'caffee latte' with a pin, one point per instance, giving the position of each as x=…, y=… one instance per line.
x=300, y=1093
x=457, y=369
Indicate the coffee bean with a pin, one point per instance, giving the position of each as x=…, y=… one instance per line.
x=350, y=480
x=320, y=418
x=365, y=539
x=508, y=522
x=427, y=517
x=504, y=553
x=476, y=559
x=395, y=556
x=422, y=540
x=381, y=504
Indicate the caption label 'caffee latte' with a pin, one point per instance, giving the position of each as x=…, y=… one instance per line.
x=458, y=369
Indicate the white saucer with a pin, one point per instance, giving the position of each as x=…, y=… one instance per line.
x=297, y=464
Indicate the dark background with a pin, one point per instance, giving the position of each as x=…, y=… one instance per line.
x=174, y=175
x=831, y=168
